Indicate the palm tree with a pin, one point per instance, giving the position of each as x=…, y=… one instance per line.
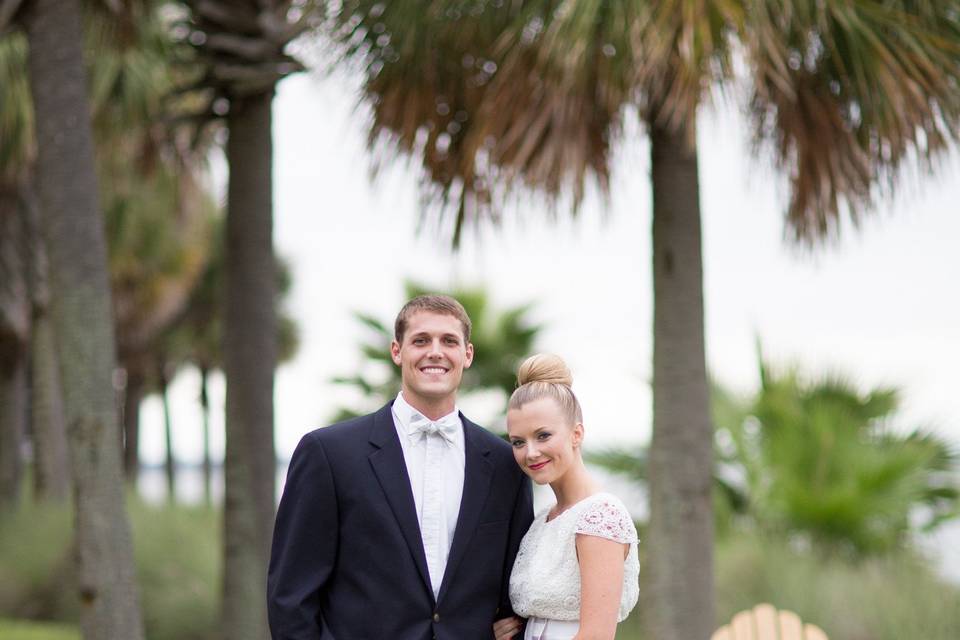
x=823, y=460
x=15, y=307
x=501, y=340
x=240, y=47
x=14, y=339
x=23, y=260
x=80, y=309
x=195, y=337
x=497, y=95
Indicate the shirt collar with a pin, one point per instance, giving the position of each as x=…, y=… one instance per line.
x=404, y=414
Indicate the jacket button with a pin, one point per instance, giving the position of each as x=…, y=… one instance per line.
x=436, y=617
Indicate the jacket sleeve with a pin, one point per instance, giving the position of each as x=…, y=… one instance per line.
x=305, y=541
x=519, y=523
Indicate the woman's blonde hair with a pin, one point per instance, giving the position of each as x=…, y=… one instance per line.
x=546, y=376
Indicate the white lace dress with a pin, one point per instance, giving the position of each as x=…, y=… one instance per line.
x=545, y=581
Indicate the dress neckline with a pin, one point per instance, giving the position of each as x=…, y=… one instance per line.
x=548, y=520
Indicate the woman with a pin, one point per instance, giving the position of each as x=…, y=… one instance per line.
x=575, y=576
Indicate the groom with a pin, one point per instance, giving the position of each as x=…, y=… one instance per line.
x=402, y=524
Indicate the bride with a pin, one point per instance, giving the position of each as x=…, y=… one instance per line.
x=575, y=576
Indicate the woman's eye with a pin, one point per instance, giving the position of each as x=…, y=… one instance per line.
x=517, y=443
x=543, y=436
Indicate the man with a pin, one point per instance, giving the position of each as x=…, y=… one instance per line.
x=403, y=524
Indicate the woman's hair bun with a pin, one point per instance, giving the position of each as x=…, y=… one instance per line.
x=544, y=367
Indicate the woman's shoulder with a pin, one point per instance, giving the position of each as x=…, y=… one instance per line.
x=604, y=514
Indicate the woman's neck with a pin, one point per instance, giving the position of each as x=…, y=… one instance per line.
x=575, y=485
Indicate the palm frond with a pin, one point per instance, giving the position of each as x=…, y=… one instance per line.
x=876, y=80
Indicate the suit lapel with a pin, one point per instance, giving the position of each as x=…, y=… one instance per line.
x=477, y=472
x=391, y=471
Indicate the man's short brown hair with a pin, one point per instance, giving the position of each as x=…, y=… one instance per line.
x=433, y=303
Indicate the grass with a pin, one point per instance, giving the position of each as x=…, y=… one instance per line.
x=177, y=553
x=26, y=630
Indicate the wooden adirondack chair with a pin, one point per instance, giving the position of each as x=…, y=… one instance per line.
x=764, y=622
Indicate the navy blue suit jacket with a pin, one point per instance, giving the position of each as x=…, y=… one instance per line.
x=347, y=561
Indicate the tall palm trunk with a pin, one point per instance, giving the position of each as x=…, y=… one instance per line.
x=249, y=360
x=14, y=336
x=13, y=405
x=51, y=471
x=680, y=539
x=169, y=466
x=205, y=409
x=81, y=314
x=133, y=394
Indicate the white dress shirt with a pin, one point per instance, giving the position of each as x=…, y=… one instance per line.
x=414, y=445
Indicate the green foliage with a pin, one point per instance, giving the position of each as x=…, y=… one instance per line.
x=17, y=146
x=196, y=337
x=35, y=566
x=177, y=552
x=822, y=460
x=178, y=556
x=819, y=460
x=25, y=630
x=501, y=340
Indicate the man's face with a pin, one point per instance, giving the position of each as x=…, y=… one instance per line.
x=432, y=358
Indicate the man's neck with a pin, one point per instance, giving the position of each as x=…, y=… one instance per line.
x=433, y=410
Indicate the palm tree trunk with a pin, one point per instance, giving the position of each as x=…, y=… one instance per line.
x=14, y=335
x=13, y=414
x=51, y=471
x=205, y=408
x=132, y=398
x=680, y=539
x=249, y=360
x=81, y=315
x=169, y=465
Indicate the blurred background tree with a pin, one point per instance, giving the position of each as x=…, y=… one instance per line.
x=825, y=463
x=239, y=51
x=495, y=97
x=822, y=464
x=501, y=340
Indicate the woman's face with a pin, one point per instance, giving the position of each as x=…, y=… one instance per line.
x=545, y=444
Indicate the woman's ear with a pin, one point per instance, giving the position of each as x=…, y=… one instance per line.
x=577, y=434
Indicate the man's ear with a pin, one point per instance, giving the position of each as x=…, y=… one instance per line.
x=469, y=359
x=395, y=352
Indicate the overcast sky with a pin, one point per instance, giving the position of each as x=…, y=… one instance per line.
x=880, y=305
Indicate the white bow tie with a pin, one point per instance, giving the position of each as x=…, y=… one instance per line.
x=421, y=427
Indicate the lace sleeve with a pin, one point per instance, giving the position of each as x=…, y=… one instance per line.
x=607, y=519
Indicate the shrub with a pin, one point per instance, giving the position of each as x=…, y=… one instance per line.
x=177, y=552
